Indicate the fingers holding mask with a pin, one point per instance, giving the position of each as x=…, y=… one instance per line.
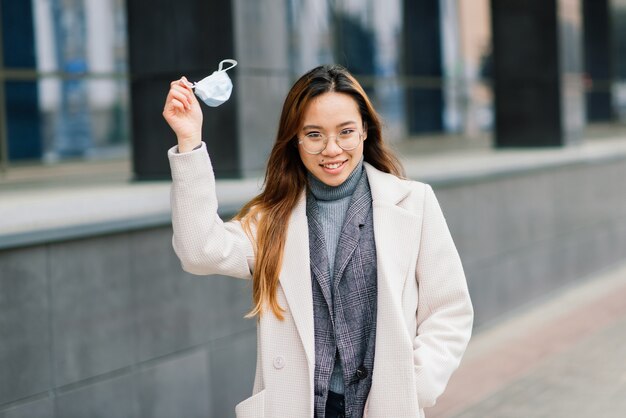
x=180, y=92
x=182, y=111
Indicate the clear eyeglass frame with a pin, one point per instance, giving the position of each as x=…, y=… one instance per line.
x=326, y=139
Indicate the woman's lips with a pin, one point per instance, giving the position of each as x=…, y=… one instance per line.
x=333, y=168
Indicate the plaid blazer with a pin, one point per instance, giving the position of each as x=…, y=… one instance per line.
x=345, y=315
x=424, y=313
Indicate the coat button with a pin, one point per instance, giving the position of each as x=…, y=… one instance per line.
x=361, y=372
x=279, y=362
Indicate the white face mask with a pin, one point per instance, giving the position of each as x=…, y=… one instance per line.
x=216, y=88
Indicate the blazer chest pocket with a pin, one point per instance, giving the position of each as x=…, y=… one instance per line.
x=253, y=407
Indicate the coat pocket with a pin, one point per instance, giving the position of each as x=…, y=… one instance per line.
x=253, y=407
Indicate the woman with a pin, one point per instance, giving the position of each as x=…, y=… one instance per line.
x=361, y=299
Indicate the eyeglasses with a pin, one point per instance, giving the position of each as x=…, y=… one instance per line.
x=316, y=142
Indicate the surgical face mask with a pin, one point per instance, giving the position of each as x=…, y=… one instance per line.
x=216, y=88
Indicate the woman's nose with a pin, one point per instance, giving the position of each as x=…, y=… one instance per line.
x=331, y=147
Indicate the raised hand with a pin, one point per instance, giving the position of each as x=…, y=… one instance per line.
x=182, y=112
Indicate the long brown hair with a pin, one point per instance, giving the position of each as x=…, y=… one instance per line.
x=285, y=177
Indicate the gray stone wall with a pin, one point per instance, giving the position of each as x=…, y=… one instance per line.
x=523, y=236
x=109, y=325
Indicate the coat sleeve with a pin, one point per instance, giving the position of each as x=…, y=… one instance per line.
x=445, y=314
x=202, y=241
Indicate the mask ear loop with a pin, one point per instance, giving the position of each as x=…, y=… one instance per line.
x=229, y=61
x=219, y=69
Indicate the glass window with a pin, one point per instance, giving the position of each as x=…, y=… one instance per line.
x=423, y=64
x=64, y=79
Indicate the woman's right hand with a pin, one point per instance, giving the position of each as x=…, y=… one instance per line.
x=182, y=112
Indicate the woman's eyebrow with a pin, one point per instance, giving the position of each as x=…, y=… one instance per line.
x=348, y=122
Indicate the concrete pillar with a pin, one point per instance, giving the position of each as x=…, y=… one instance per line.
x=538, y=84
x=422, y=58
x=598, y=59
x=263, y=78
x=175, y=37
x=168, y=39
x=354, y=45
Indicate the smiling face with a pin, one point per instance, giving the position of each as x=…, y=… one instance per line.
x=330, y=114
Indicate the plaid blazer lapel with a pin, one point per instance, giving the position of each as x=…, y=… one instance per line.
x=351, y=230
x=320, y=267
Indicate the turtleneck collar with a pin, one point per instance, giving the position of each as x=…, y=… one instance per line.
x=323, y=191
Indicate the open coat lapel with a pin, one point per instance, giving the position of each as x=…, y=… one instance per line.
x=397, y=229
x=397, y=233
x=295, y=278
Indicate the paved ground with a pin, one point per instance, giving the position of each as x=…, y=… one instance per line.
x=565, y=357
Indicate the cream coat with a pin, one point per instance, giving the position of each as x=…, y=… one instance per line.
x=424, y=318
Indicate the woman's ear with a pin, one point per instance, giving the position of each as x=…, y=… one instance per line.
x=364, y=131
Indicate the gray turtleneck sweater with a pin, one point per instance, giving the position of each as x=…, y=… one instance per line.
x=332, y=205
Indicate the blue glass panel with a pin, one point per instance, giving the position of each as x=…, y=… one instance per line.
x=23, y=121
x=18, y=43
